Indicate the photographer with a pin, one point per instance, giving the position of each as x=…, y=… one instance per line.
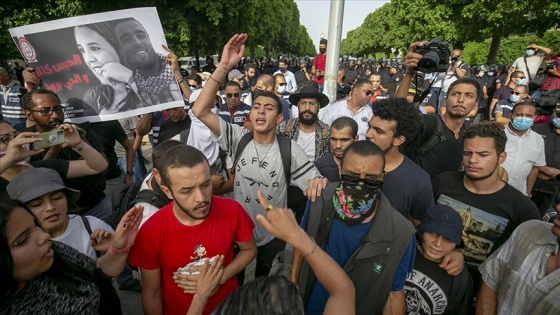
x=552, y=80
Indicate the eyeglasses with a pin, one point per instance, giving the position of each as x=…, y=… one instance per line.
x=7, y=137
x=307, y=104
x=368, y=181
x=369, y=93
x=230, y=95
x=282, y=84
x=48, y=111
x=516, y=93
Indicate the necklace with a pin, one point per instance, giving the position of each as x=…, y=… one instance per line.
x=264, y=157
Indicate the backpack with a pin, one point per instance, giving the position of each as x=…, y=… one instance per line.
x=122, y=202
x=285, y=152
x=128, y=196
x=437, y=136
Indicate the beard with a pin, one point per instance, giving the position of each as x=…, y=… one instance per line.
x=307, y=121
x=190, y=211
x=481, y=176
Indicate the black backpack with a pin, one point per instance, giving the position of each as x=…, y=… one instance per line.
x=122, y=202
x=129, y=195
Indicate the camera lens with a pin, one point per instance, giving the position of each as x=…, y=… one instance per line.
x=429, y=62
x=53, y=138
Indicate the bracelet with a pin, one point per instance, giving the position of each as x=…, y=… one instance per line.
x=181, y=81
x=129, y=173
x=80, y=148
x=219, y=82
x=313, y=249
x=119, y=251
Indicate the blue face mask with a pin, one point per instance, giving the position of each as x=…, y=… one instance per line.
x=522, y=123
x=522, y=81
x=281, y=69
x=489, y=74
x=530, y=52
x=514, y=98
x=556, y=122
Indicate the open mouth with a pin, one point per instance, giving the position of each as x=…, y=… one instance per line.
x=52, y=218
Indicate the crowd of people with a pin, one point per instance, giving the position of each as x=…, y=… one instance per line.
x=410, y=193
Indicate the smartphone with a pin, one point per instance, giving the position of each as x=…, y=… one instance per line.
x=48, y=139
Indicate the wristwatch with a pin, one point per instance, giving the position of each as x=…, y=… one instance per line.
x=129, y=173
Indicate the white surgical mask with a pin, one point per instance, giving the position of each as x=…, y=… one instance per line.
x=281, y=89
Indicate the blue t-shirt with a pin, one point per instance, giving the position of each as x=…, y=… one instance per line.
x=342, y=248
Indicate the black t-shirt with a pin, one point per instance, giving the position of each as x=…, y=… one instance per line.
x=446, y=156
x=60, y=166
x=108, y=132
x=328, y=168
x=488, y=219
x=169, y=129
x=430, y=290
x=209, y=68
x=409, y=189
x=394, y=81
x=502, y=93
x=92, y=187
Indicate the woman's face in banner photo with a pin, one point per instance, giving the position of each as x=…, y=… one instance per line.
x=96, y=51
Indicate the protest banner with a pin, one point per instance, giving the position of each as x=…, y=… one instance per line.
x=102, y=66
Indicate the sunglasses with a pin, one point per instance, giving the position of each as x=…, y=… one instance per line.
x=521, y=77
x=230, y=95
x=282, y=84
x=369, y=93
x=516, y=93
x=368, y=181
x=193, y=86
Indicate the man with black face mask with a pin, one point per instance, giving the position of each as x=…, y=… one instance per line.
x=364, y=233
x=319, y=64
x=309, y=133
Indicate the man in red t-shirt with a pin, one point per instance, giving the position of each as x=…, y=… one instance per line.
x=318, y=66
x=195, y=227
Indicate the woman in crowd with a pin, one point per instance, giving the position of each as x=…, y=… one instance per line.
x=15, y=154
x=47, y=277
x=118, y=91
x=44, y=193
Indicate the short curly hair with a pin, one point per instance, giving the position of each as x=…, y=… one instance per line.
x=488, y=130
x=400, y=110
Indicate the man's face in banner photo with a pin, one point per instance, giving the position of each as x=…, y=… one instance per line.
x=135, y=44
x=96, y=51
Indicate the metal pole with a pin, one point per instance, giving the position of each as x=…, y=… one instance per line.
x=333, y=48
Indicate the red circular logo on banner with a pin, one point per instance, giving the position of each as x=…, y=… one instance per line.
x=27, y=50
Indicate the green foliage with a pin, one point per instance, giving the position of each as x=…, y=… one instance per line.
x=401, y=22
x=190, y=26
x=510, y=48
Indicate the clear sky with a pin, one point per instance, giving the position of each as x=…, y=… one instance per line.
x=314, y=15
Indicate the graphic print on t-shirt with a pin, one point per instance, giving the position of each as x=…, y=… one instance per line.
x=423, y=295
x=480, y=229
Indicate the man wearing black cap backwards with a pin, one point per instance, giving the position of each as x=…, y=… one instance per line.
x=310, y=133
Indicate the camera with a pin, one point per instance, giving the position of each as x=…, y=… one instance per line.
x=48, y=139
x=435, y=56
x=551, y=66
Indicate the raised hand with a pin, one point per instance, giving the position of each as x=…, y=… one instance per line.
x=411, y=59
x=127, y=229
x=278, y=222
x=171, y=59
x=233, y=50
x=101, y=240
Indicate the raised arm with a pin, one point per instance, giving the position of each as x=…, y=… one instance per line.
x=410, y=61
x=93, y=161
x=282, y=224
x=231, y=55
x=171, y=60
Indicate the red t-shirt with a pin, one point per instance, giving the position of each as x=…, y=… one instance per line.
x=166, y=244
x=319, y=62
